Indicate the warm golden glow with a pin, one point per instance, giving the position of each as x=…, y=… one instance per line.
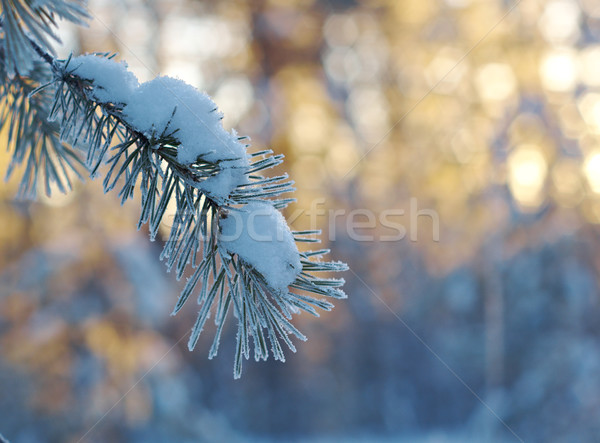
x=444, y=72
x=309, y=128
x=591, y=169
x=590, y=65
x=589, y=107
x=558, y=70
x=527, y=169
x=560, y=21
x=495, y=82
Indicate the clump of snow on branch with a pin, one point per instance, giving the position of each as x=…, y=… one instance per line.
x=113, y=83
x=260, y=236
x=169, y=107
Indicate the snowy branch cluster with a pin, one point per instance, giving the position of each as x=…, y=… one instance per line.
x=164, y=139
x=168, y=107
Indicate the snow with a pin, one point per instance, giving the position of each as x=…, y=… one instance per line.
x=260, y=236
x=227, y=179
x=168, y=106
x=112, y=82
x=166, y=103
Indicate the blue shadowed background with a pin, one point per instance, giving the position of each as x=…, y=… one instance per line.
x=457, y=141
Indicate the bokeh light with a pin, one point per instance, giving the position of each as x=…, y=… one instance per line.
x=527, y=174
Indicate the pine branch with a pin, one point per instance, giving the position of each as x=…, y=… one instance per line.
x=165, y=139
x=33, y=140
x=24, y=21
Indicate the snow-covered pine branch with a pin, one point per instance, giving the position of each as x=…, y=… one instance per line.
x=167, y=139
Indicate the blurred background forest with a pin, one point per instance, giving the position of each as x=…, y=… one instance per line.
x=485, y=112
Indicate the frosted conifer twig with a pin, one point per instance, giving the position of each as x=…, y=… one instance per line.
x=166, y=139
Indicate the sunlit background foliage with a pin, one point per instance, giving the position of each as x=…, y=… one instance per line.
x=484, y=111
